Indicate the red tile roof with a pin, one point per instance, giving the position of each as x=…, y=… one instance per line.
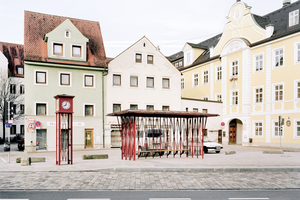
x=15, y=56
x=36, y=25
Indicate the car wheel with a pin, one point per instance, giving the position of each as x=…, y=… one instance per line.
x=217, y=151
x=205, y=150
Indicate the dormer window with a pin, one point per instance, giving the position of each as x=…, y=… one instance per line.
x=294, y=18
x=57, y=49
x=76, y=51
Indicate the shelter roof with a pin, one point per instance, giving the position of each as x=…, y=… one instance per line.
x=159, y=113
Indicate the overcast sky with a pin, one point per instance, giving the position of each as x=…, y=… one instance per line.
x=167, y=23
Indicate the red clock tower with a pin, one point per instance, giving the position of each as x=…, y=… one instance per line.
x=64, y=128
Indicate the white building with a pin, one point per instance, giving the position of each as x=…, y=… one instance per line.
x=141, y=77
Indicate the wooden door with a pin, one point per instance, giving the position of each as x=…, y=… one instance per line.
x=89, y=138
x=232, y=135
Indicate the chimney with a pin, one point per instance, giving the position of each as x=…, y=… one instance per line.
x=286, y=3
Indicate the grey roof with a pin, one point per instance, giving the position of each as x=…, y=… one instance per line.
x=278, y=18
x=175, y=56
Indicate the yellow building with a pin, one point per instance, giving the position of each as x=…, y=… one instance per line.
x=253, y=67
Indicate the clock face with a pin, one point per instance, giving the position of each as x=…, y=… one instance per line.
x=66, y=105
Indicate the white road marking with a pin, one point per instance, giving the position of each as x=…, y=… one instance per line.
x=170, y=199
x=14, y=199
x=3, y=160
x=248, y=198
x=86, y=199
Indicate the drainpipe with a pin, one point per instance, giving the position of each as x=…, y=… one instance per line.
x=104, y=73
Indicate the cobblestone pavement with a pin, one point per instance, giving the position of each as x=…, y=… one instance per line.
x=148, y=180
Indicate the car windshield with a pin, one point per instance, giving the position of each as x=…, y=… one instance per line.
x=206, y=139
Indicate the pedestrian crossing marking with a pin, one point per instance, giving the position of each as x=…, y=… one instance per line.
x=170, y=199
x=248, y=198
x=86, y=199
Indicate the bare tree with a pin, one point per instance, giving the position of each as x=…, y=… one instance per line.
x=10, y=92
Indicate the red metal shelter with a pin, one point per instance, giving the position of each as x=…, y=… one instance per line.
x=161, y=133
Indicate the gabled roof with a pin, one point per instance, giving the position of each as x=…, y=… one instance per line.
x=175, y=56
x=278, y=18
x=15, y=56
x=36, y=25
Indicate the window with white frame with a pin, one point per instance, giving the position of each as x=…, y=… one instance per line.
x=41, y=109
x=297, y=53
x=149, y=59
x=165, y=83
x=57, y=49
x=277, y=132
x=12, y=88
x=294, y=18
x=41, y=77
x=234, y=98
x=219, y=73
x=278, y=54
x=258, y=129
x=298, y=90
x=182, y=83
x=188, y=57
x=65, y=79
x=297, y=133
x=195, y=79
x=88, y=80
x=76, y=51
x=22, y=89
x=258, y=95
x=116, y=107
x=259, y=60
x=133, y=81
x=218, y=97
x=150, y=107
x=235, y=68
x=138, y=58
x=117, y=79
x=278, y=92
x=165, y=108
x=205, y=77
x=89, y=110
x=150, y=82
x=133, y=106
x=195, y=109
x=204, y=111
x=20, y=69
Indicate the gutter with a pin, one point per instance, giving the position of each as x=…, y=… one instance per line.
x=104, y=73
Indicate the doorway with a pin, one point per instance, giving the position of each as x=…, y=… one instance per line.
x=235, y=131
x=89, y=138
x=232, y=134
x=220, y=136
x=41, y=139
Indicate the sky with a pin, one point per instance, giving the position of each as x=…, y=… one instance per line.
x=168, y=24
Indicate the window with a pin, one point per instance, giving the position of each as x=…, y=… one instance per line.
x=176, y=64
x=204, y=111
x=150, y=82
x=298, y=90
x=149, y=59
x=205, y=77
x=64, y=79
x=297, y=128
x=278, y=58
x=219, y=73
x=41, y=77
x=22, y=109
x=195, y=80
x=76, y=51
x=188, y=57
x=133, y=106
x=22, y=129
x=150, y=107
x=133, y=81
x=258, y=63
x=278, y=92
x=20, y=69
x=89, y=110
x=15, y=108
x=186, y=109
x=68, y=34
x=235, y=98
x=195, y=109
x=13, y=130
x=235, y=68
x=166, y=83
x=294, y=18
x=41, y=109
x=116, y=79
x=182, y=83
x=57, y=49
x=258, y=129
x=12, y=89
x=258, y=95
x=22, y=89
x=165, y=108
x=277, y=132
x=138, y=58
x=116, y=107
x=219, y=97
x=89, y=80
x=180, y=63
x=297, y=53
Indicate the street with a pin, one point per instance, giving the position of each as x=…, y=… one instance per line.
x=153, y=195
x=13, y=147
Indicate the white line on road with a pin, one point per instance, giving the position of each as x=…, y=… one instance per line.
x=170, y=199
x=3, y=160
x=86, y=199
x=248, y=198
